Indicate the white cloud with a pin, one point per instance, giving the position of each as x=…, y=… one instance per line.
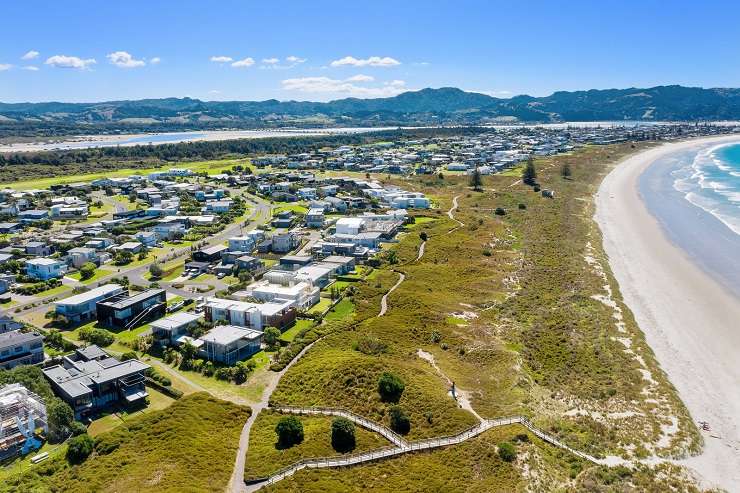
x=347, y=87
x=360, y=78
x=155, y=60
x=124, y=59
x=30, y=55
x=214, y=91
x=31, y=68
x=64, y=61
x=221, y=59
x=373, y=61
x=246, y=62
x=270, y=61
x=294, y=59
x=5, y=66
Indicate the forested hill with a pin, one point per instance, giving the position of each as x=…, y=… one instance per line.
x=444, y=105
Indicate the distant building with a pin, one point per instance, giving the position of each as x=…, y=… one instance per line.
x=22, y=414
x=229, y=343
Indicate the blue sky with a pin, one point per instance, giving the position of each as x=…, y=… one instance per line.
x=320, y=50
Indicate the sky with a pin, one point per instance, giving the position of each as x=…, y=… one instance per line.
x=85, y=51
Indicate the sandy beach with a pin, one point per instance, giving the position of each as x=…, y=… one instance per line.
x=690, y=320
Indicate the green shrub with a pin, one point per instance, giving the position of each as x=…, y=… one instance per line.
x=79, y=448
x=390, y=387
x=289, y=431
x=400, y=422
x=343, y=435
x=506, y=451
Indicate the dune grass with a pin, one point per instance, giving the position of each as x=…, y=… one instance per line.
x=265, y=457
x=189, y=446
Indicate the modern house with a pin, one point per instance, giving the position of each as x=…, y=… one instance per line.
x=168, y=331
x=229, y=343
x=77, y=257
x=90, y=379
x=7, y=324
x=315, y=218
x=124, y=311
x=210, y=254
x=257, y=316
x=346, y=264
x=283, y=243
x=241, y=244
x=45, y=268
x=81, y=307
x=21, y=348
x=249, y=264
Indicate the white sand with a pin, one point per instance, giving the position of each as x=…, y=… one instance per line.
x=691, y=323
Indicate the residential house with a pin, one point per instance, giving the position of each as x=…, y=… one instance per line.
x=147, y=238
x=7, y=324
x=124, y=311
x=229, y=344
x=77, y=257
x=82, y=307
x=210, y=254
x=241, y=244
x=90, y=380
x=315, y=218
x=285, y=242
x=38, y=249
x=169, y=331
x=258, y=316
x=45, y=268
x=20, y=348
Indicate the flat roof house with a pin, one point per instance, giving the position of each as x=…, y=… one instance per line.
x=90, y=379
x=81, y=307
x=45, y=268
x=79, y=256
x=258, y=316
x=229, y=343
x=167, y=331
x=241, y=244
x=123, y=311
x=315, y=218
x=21, y=348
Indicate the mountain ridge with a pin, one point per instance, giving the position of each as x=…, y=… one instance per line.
x=445, y=104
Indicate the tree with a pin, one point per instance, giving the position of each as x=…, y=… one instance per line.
x=529, y=174
x=123, y=257
x=272, y=336
x=87, y=270
x=79, y=448
x=188, y=352
x=392, y=257
x=565, y=171
x=476, y=181
x=156, y=270
x=390, y=387
x=289, y=431
x=343, y=435
x=506, y=451
x=400, y=422
x=78, y=428
x=60, y=418
x=127, y=356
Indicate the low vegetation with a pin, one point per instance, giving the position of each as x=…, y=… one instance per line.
x=189, y=446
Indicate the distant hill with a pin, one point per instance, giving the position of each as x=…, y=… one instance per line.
x=444, y=105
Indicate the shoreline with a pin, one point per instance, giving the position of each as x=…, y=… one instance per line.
x=690, y=321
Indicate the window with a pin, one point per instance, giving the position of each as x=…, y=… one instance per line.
x=18, y=349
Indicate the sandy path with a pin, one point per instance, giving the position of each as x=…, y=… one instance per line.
x=689, y=320
x=384, y=300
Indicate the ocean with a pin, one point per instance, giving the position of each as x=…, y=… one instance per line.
x=695, y=196
x=711, y=181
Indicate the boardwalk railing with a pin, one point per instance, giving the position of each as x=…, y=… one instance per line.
x=389, y=434
x=401, y=445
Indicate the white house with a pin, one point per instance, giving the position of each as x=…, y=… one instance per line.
x=45, y=268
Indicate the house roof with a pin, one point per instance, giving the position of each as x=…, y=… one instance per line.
x=176, y=320
x=227, y=334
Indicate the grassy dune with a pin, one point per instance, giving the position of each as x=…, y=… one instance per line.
x=189, y=446
x=520, y=310
x=265, y=457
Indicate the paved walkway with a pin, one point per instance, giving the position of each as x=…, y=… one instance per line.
x=384, y=300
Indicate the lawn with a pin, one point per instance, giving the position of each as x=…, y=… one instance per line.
x=321, y=306
x=101, y=272
x=157, y=401
x=341, y=310
x=265, y=457
x=190, y=446
x=296, y=208
x=299, y=325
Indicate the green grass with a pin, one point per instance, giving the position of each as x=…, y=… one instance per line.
x=189, y=446
x=100, y=272
x=295, y=208
x=156, y=402
x=299, y=325
x=265, y=457
x=341, y=310
x=321, y=306
x=211, y=167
